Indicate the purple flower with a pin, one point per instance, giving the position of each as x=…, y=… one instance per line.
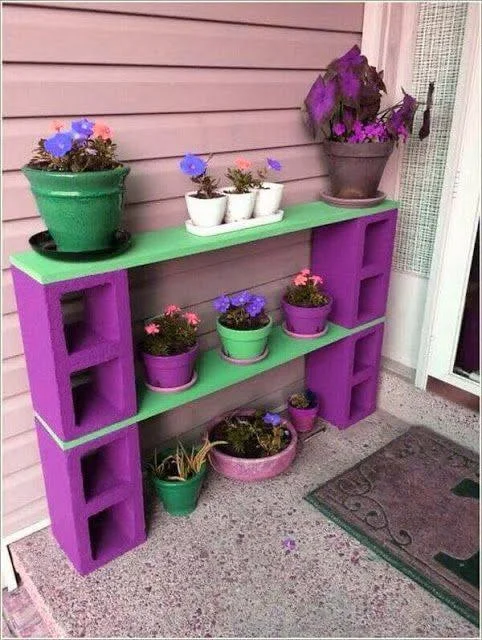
x=221, y=304
x=240, y=299
x=321, y=100
x=59, y=144
x=255, y=306
x=272, y=418
x=273, y=164
x=358, y=134
x=375, y=130
x=193, y=165
x=289, y=544
x=339, y=129
x=84, y=127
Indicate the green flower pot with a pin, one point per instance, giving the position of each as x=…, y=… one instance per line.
x=244, y=344
x=180, y=498
x=82, y=211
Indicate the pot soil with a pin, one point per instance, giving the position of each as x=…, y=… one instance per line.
x=83, y=210
x=168, y=372
x=355, y=170
x=244, y=344
x=306, y=320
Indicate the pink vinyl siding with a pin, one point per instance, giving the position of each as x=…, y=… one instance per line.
x=168, y=78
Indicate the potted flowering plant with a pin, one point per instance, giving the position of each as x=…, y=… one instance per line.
x=170, y=348
x=255, y=445
x=243, y=326
x=268, y=198
x=78, y=185
x=242, y=195
x=206, y=206
x=343, y=107
x=177, y=476
x=303, y=409
x=305, y=306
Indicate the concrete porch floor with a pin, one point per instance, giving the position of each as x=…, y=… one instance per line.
x=223, y=572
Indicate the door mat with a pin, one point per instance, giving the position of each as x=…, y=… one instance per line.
x=415, y=502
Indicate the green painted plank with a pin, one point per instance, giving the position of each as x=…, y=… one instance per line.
x=216, y=374
x=176, y=242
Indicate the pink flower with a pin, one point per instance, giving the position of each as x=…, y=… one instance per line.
x=101, y=130
x=242, y=164
x=300, y=280
x=305, y=272
x=57, y=125
x=151, y=328
x=317, y=279
x=171, y=309
x=192, y=318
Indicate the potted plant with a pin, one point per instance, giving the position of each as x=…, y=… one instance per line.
x=170, y=348
x=305, y=306
x=257, y=445
x=343, y=107
x=242, y=195
x=177, y=476
x=243, y=326
x=206, y=206
x=268, y=197
x=303, y=410
x=78, y=185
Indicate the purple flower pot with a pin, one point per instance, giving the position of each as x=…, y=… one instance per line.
x=303, y=419
x=306, y=320
x=170, y=371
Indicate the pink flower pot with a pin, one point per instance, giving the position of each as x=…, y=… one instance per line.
x=306, y=320
x=170, y=371
x=303, y=419
x=252, y=469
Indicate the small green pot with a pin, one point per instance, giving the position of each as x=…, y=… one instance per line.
x=180, y=498
x=82, y=211
x=244, y=344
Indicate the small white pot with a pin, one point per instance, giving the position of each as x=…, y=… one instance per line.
x=268, y=200
x=240, y=205
x=205, y=212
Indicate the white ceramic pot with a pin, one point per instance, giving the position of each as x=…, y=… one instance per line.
x=268, y=200
x=240, y=205
x=205, y=212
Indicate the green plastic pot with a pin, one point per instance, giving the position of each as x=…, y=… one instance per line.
x=82, y=211
x=244, y=344
x=180, y=498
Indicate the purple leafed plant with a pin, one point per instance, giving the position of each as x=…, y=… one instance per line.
x=344, y=104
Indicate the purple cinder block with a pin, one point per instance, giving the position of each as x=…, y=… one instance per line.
x=94, y=494
x=81, y=375
x=355, y=257
x=344, y=376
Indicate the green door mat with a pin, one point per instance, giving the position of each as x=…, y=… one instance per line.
x=415, y=502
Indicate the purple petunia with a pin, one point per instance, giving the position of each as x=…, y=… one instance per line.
x=273, y=164
x=193, y=165
x=272, y=418
x=255, y=306
x=59, y=144
x=241, y=299
x=221, y=304
x=83, y=127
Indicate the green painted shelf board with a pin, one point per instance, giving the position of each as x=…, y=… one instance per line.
x=216, y=374
x=176, y=242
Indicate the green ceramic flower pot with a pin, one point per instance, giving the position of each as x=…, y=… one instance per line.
x=82, y=211
x=244, y=344
x=180, y=498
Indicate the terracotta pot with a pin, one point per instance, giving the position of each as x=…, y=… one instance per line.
x=252, y=469
x=355, y=170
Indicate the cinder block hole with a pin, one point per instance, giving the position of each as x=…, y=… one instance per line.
x=89, y=317
x=111, y=530
x=371, y=298
x=365, y=352
x=97, y=395
x=105, y=467
x=362, y=398
x=376, y=249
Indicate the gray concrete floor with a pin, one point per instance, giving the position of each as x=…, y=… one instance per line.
x=224, y=572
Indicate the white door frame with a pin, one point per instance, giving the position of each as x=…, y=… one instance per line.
x=457, y=225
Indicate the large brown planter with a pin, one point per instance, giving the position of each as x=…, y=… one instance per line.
x=355, y=170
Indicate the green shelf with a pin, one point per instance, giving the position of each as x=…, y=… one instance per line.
x=176, y=242
x=216, y=374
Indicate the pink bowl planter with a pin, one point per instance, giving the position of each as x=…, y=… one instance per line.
x=252, y=469
x=169, y=372
x=306, y=320
x=303, y=419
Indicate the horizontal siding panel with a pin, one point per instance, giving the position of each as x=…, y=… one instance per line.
x=17, y=415
x=20, y=452
x=14, y=378
x=162, y=42
x=22, y=488
x=22, y=518
x=140, y=137
x=346, y=16
x=124, y=90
